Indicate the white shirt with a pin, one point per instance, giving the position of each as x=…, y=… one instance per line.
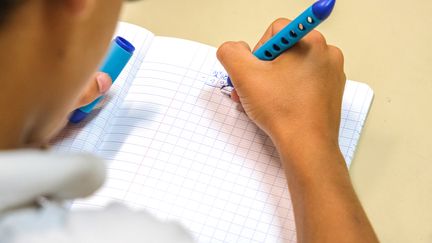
x=34, y=187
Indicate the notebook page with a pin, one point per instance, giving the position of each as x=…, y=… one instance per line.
x=180, y=149
x=86, y=135
x=357, y=100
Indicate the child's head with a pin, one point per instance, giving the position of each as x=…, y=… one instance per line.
x=49, y=50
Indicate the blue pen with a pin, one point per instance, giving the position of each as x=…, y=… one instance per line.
x=293, y=32
x=119, y=55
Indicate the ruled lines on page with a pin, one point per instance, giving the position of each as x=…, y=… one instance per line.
x=180, y=149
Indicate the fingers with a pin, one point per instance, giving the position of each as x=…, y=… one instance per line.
x=338, y=60
x=272, y=30
x=237, y=58
x=235, y=97
x=104, y=82
x=100, y=84
x=337, y=55
x=313, y=40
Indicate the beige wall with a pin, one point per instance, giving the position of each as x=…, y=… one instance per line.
x=386, y=44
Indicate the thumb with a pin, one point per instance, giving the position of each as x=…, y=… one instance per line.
x=237, y=58
x=100, y=84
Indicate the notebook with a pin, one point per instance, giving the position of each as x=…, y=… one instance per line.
x=177, y=147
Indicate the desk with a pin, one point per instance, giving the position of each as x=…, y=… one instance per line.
x=387, y=44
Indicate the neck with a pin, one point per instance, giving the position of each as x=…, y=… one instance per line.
x=19, y=110
x=14, y=132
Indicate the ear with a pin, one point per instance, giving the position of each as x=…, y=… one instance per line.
x=79, y=8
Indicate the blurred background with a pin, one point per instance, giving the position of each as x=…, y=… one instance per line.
x=387, y=44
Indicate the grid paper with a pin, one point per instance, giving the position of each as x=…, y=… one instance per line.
x=180, y=149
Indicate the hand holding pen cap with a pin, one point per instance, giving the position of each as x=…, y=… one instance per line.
x=292, y=33
x=118, y=56
x=99, y=85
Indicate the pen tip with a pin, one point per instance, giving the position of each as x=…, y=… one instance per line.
x=77, y=116
x=323, y=8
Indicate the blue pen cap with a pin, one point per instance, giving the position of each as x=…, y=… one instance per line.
x=323, y=8
x=126, y=45
x=119, y=55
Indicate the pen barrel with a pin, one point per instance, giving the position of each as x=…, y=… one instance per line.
x=116, y=60
x=288, y=36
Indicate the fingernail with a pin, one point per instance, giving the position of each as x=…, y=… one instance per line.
x=104, y=83
x=240, y=108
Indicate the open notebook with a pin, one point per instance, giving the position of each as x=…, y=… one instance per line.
x=176, y=146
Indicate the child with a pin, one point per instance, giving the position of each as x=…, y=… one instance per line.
x=51, y=49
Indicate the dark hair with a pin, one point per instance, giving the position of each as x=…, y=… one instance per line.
x=6, y=7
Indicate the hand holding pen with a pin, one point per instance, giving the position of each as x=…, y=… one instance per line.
x=296, y=99
x=299, y=92
x=304, y=82
x=293, y=32
x=100, y=85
